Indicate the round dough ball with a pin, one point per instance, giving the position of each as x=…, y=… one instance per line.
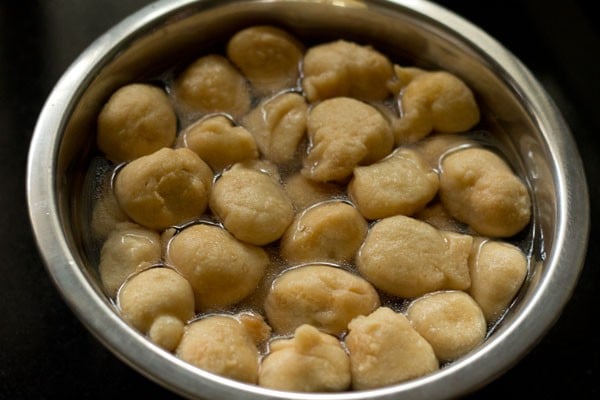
x=311, y=361
x=451, y=322
x=402, y=183
x=304, y=192
x=137, y=120
x=323, y=296
x=221, y=269
x=331, y=231
x=268, y=56
x=211, y=84
x=251, y=205
x=220, y=344
x=343, y=68
x=430, y=101
x=498, y=271
x=478, y=188
x=127, y=249
x=278, y=125
x=406, y=257
x=344, y=133
x=158, y=301
x=385, y=349
x=165, y=188
x=219, y=143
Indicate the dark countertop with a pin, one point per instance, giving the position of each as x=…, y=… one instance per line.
x=46, y=353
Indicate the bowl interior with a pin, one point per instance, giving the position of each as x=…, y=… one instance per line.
x=168, y=34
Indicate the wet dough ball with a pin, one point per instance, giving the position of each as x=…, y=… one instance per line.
x=127, y=249
x=220, y=344
x=402, y=183
x=158, y=302
x=219, y=143
x=344, y=133
x=221, y=269
x=431, y=101
x=385, y=349
x=212, y=84
x=478, y=188
x=311, y=361
x=165, y=188
x=251, y=205
x=304, y=192
x=278, y=125
x=408, y=258
x=323, y=296
x=137, y=120
x=343, y=68
x=331, y=231
x=268, y=56
x=498, y=271
x=451, y=322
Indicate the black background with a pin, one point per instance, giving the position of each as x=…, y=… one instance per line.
x=46, y=353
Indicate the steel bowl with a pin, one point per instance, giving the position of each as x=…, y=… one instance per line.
x=540, y=146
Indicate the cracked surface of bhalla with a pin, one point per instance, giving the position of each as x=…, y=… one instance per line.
x=219, y=143
x=402, y=183
x=251, y=204
x=221, y=269
x=268, y=56
x=433, y=101
x=278, y=124
x=211, y=84
x=406, y=257
x=310, y=361
x=127, y=249
x=220, y=344
x=343, y=68
x=344, y=133
x=164, y=188
x=137, y=120
x=385, y=349
x=451, y=321
x=158, y=302
x=323, y=296
x=497, y=270
x=478, y=188
x=331, y=231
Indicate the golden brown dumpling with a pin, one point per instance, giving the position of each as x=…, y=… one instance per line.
x=268, y=56
x=323, y=296
x=344, y=133
x=137, y=120
x=408, y=258
x=165, y=188
x=385, y=349
x=221, y=269
x=310, y=361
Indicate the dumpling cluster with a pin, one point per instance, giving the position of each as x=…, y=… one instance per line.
x=306, y=219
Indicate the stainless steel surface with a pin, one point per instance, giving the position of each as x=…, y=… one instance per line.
x=407, y=30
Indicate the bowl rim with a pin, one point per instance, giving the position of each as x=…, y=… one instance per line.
x=504, y=349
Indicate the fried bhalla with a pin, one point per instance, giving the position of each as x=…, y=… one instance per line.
x=406, y=257
x=310, y=361
x=323, y=296
x=385, y=349
x=344, y=133
x=165, y=188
